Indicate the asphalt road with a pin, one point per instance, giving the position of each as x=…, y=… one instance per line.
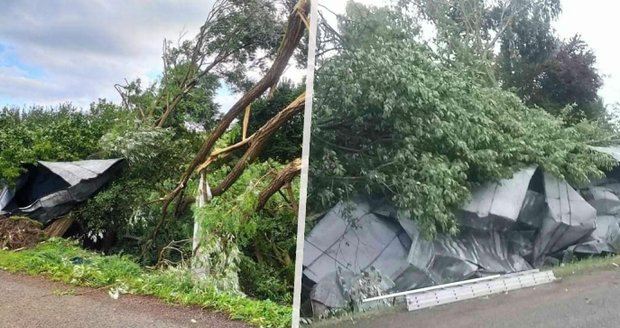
x=590, y=300
x=30, y=302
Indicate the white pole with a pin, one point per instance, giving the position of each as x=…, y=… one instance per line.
x=305, y=153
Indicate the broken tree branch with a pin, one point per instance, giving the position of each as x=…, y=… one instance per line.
x=293, y=34
x=246, y=121
x=258, y=142
x=284, y=178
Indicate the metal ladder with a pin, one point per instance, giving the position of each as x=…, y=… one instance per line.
x=442, y=294
x=467, y=289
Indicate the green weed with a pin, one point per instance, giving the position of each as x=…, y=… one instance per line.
x=64, y=261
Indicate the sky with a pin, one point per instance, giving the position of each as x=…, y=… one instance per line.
x=75, y=51
x=595, y=20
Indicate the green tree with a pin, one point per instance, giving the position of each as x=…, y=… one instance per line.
x=61, y=133
x=569, y=77
x=393, y=120
x=511, y=43
x=285, y=144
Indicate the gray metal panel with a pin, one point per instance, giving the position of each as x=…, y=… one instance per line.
x=6, y=195
x=498, y=200
x=566, y=205
x=570, y=218
x=352, y=238
x=326, y=232
x=603, y=200
x=75, y=172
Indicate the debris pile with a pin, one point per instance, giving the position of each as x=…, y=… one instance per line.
x=516, y=224
x=20, y=232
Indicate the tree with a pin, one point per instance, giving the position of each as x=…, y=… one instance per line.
x=526, y=45
x=512, y=44
x=285, y=144
x=394, y=121
x=54, y=134
x=236, y=36
x=569, y=77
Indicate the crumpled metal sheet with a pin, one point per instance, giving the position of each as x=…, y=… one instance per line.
x=5, y=197
x=513, y=225
x=54, y=188
x=353, y=238
x=496, y=205
x=604, y=239
x=78, y=171
x=472, y=253
x=568, y=220
x=603, y=199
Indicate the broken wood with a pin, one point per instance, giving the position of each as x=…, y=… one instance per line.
x=284, y=178
x=294, y=31
x=259, y=141
x=59, y=227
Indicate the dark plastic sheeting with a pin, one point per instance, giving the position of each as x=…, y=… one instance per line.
x=51, y=189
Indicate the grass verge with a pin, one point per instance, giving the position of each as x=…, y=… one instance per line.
x=587, y=265
x=62, y=260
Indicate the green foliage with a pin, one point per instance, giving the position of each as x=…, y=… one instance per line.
x=128, y=208
x=237, y=36
x=285, y=144
x=512, y=44
x=586, y=265
x=266, y=238
x=62, y=134
x=55, y=258
x=391, y=120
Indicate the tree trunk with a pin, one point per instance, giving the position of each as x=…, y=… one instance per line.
x=283, y=178
x=293, y=34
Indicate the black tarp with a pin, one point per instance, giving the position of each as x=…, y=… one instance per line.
x=48, y=190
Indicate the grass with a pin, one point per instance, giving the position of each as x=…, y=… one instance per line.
x=64, y=261
x=588, y=265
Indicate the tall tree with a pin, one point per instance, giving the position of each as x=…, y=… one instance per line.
x=511, y=43
x=569, y=77
x=392, y=120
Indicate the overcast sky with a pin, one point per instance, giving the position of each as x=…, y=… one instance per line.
x=595, y=20
x=76, y=50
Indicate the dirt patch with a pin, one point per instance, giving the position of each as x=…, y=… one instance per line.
x=20, y=232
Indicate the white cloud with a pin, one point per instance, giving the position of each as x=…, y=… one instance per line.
x=80, y=49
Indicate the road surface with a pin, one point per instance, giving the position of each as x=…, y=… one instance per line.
x=32, y=302
x=589, y=300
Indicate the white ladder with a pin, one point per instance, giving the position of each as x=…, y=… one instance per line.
x=443, y=294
